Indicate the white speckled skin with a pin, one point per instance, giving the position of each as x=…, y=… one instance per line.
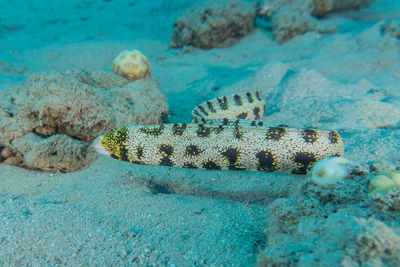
x=224, y=144
x=248, y=106
x=223, y=147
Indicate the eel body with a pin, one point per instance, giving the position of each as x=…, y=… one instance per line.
x=221, y=145
x=248, y=106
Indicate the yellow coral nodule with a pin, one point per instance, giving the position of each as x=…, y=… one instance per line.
x=131, y=65
x=384, y=182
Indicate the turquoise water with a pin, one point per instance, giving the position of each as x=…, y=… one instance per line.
x=63, y=204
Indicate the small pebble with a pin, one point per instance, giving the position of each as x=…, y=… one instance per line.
x=13, y=160
x=6, y=152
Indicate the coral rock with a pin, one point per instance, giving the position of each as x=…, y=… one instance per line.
x=392, y=28
x=288, y=23
x=291, y=18
x=57, y=114
x=384, y=182
x=321, y=7
x=330, y=171
x=215, y=24
x=59, y=152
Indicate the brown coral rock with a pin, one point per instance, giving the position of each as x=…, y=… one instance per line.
x=288, y=23
x=51, y=119
x=59, y=153
x=215, y=24
x=79, y=105
x=291, y=18
x=321, y=7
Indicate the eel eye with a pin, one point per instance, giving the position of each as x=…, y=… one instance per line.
x=103, y=142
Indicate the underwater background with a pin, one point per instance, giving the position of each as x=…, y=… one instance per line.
x=330, y=65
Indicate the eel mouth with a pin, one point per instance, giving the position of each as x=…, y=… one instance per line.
x=99, y=147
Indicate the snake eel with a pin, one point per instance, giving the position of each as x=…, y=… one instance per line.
x=225, y=134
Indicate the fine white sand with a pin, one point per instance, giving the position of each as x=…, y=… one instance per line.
x=119, y=213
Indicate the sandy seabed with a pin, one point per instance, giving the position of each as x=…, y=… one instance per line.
x=117, y=213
